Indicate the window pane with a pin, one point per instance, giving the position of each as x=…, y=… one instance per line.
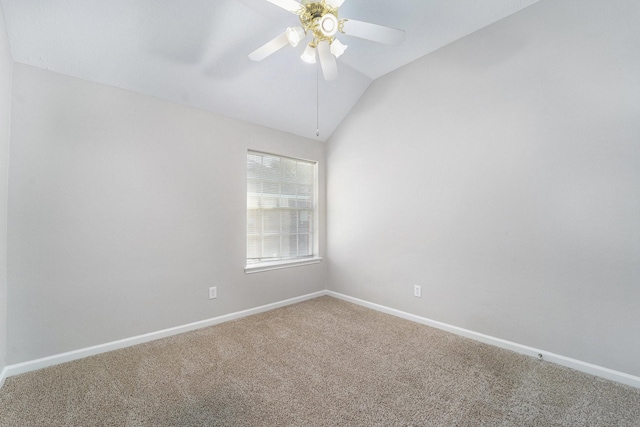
x=303, y=245
x=254, y=247
x=288, y=199
x=305, y=190
x=254, y=221
x=254, y=189
x=305, y=172
x=254, y=166
x=289, y=246
x=271, y=221
x=270, y=195
x=304, y=204
x=254, y=186
x=271, y=247
x=253, y=201
x=304, y=222
x=290, y=222
x=305, y=194
x=288, y=170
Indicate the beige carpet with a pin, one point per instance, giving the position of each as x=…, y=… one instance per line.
x=323, y=362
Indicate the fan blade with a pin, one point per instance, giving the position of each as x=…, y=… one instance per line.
x=328, y=61
x=291, y=5
x=373, y=32
x=335, y=3
x=269, y=48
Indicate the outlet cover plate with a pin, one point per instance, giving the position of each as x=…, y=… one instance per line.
x=417, y=291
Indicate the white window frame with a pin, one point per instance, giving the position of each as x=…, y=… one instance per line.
x=291, y=262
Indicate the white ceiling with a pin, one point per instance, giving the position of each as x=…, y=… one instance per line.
x=195, y=52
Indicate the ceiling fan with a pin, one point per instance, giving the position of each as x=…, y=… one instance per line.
x=320, y=20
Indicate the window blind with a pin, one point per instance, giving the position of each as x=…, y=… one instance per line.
x=280, y=208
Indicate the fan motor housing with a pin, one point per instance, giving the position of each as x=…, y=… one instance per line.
x=320, y=18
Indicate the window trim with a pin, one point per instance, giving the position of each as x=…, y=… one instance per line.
x=278, y=265
x=315, y=258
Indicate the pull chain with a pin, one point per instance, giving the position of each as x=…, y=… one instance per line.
x=317, y=97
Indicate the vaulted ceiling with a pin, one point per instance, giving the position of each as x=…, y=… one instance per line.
x=195, y=52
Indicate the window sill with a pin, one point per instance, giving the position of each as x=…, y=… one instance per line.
x=277, y=265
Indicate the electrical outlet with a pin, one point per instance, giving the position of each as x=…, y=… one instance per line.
x=213, y=292
x=417, y=291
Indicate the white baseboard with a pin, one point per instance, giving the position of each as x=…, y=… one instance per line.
x=578, y=365
x=3, y=376
x=33, y=365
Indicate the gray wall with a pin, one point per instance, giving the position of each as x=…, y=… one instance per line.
x=6, y=65
x=502, y=173
x=123, y=210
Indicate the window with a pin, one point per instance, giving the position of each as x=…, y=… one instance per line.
x=281, y=212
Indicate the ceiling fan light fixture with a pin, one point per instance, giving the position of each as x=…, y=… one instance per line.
x=295, y=35
x=337, y=48
x=309, y=54
x=328, y=25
